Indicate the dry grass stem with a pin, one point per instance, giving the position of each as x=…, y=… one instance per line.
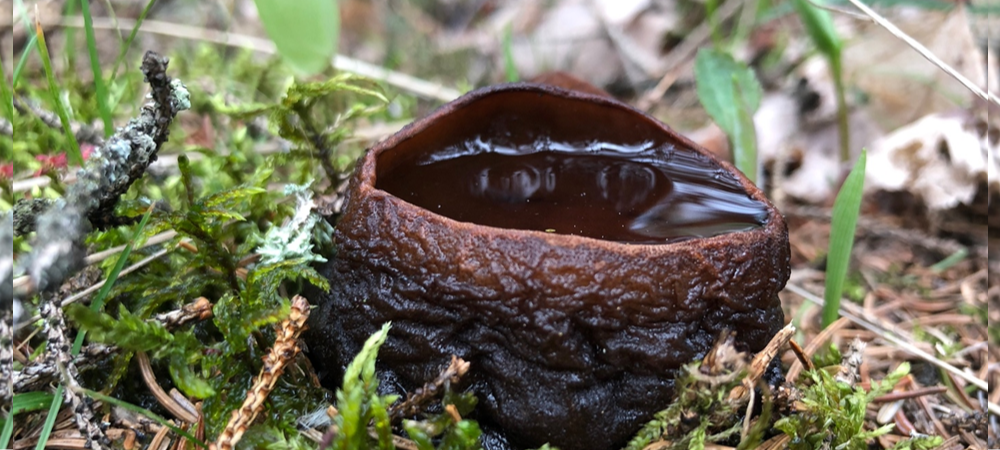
x=814, y=345
x=800, y=355
x=286, y=348
x=155, y=240
x=895, y=31
x=169, y=403
x=422, y=88
x=894, y=396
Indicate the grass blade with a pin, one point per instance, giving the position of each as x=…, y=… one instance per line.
x=7, y=97
x=98, y=302
x=95, y=65
x=26, y=402
x=29, y=48
x=8, y=430
x=744, y=135
x=50, y=419
x=819, y=25
x=510, y=70
x=128, y=42
x=846, y=208
x=73, y=152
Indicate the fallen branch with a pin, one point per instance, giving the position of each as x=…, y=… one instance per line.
x=112, y=168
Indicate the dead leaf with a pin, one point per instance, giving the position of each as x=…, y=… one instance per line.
x=940, y=158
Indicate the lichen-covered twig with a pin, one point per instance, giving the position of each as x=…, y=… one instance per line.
x=36, y=375
x=285, y=349
x=6, y=307
x=7, y=261
x=6, y=360
x=58, y=355
x=113, y=167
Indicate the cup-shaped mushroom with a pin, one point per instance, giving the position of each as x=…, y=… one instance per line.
x=574, y=250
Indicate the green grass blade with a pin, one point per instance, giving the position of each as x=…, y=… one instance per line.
x=846, y=208
x=98, y=302
x=145, y=412
x=26, y=402
x=70, y=33
x=29, y=48
x=510, y=70
x=819, y=25
x=73, y=152
x=95, y=66
x=8, y=431
x=50, y=419
x=30, y=401
x=7, y=97
x=128, y=42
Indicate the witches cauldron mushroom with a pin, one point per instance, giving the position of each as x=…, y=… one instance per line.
x=574, y=250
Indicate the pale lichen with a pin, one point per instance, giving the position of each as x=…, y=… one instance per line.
x=293, y=240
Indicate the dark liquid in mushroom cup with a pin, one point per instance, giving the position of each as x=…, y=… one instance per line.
x=574, y=250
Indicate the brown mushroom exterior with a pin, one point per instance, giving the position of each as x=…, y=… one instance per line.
x=572, y=340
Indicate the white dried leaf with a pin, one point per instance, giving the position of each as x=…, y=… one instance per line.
x=940, y=158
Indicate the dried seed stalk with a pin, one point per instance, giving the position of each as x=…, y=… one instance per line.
x=284, y=351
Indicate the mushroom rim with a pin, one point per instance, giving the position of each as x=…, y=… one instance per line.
x=365, y=178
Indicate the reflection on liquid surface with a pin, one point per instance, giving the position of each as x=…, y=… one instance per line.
x=636, y=194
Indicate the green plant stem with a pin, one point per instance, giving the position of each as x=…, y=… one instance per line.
x=70, y=11
x=29, y=48
x=508, y=55
x=843, y=126
x=100, y=90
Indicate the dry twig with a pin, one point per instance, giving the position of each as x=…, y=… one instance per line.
x=418, y=399
x=895, y=31
x=285, y=349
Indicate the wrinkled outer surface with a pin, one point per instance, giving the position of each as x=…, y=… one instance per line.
x=573, y=341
